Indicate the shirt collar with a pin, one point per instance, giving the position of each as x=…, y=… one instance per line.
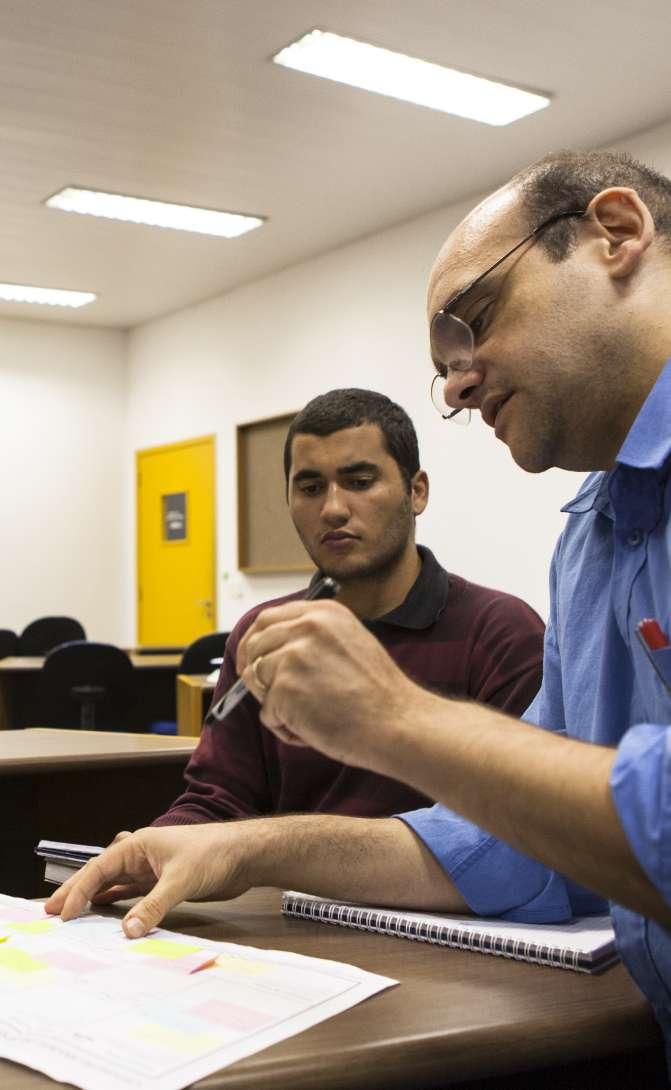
x=647, y=445
x=424, y=602
x=426, y=599
x=648, y=441
x=593, y=494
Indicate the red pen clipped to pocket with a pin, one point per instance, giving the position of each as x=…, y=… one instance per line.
x=655, y=643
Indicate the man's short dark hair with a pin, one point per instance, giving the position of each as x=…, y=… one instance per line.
x=566, y=180
x=351, y=408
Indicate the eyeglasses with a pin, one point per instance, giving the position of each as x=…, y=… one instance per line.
x=452, y=340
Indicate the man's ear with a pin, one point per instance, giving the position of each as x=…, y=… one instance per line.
x=419, y=492
x=624, y=223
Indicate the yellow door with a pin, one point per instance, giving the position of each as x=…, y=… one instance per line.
x=176, y=546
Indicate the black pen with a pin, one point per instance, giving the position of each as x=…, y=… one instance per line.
x=323, y=588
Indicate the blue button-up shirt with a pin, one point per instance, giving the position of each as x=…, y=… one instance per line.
x=611, y=568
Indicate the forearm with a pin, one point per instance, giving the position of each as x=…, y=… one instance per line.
x=546, y=795
x=376, y=861
x=329, y=684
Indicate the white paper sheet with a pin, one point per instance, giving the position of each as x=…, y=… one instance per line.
x=85, y=1005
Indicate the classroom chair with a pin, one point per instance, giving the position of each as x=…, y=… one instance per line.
x=197, y=659
x=9, y=642
x=40, y=636
x=87, y=685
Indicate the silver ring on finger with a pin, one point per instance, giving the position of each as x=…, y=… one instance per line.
x=259, y=680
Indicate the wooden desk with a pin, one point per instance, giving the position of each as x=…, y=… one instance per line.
x=194, y=693
x=455, y=1019
x=79, y=785
x=18, y=677
x=156, y=649
x=22, y=664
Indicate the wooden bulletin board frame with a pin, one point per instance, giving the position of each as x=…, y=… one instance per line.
x=267, y=540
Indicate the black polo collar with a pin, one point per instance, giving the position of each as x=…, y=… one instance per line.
x=424, y=602
x=426, y=599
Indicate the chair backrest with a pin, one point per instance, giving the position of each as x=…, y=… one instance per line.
x=9, y=641
x=197, y=659
x=40, y=636
x=78, y=664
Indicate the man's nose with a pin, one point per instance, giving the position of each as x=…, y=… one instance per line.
x=335, y=506
x=462, y=389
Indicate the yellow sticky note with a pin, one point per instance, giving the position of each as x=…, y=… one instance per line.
x=163, y=948
x=17, y=961
x=243, y=966
x=35, y=927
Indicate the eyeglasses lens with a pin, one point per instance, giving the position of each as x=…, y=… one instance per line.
x=451, y=350
x=451, y=343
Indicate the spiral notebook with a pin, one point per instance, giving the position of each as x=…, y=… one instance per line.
x=585, y=944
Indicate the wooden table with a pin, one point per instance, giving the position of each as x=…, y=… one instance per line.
x=455, y=1019
x=18, y=678
x=22, y=664
x=82, y=786
x=194, y=693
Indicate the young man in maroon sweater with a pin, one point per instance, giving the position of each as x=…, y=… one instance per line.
x=354, y=488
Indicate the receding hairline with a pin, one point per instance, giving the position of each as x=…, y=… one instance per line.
x=561, y=181
x=504, y=203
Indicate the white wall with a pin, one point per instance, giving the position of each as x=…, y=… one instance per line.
x=62, y=442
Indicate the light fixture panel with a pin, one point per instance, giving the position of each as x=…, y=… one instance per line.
x=345, y=60
x=151, y=213
x=51, y=297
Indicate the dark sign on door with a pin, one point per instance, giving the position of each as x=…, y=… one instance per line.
x=174, y=516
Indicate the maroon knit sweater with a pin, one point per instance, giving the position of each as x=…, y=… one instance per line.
x=449, y=635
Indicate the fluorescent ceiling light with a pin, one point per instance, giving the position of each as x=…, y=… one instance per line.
x=51, y=297
x=345, y=60
x=181, y=217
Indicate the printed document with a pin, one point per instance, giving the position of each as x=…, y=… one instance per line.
x=85, y=1005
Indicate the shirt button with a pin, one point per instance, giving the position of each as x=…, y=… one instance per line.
x=635, y=538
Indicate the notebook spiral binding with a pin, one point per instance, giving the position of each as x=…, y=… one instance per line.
x=363, y=919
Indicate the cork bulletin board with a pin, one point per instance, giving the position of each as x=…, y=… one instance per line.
x=267, y=541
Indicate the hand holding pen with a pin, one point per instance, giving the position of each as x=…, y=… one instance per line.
x=323, y=588
x=324, y=680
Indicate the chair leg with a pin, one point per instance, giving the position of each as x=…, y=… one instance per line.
x=87, y=719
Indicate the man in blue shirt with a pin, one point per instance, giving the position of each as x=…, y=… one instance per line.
x=548, y=309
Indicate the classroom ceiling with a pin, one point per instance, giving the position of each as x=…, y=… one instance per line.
x=179, y=101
